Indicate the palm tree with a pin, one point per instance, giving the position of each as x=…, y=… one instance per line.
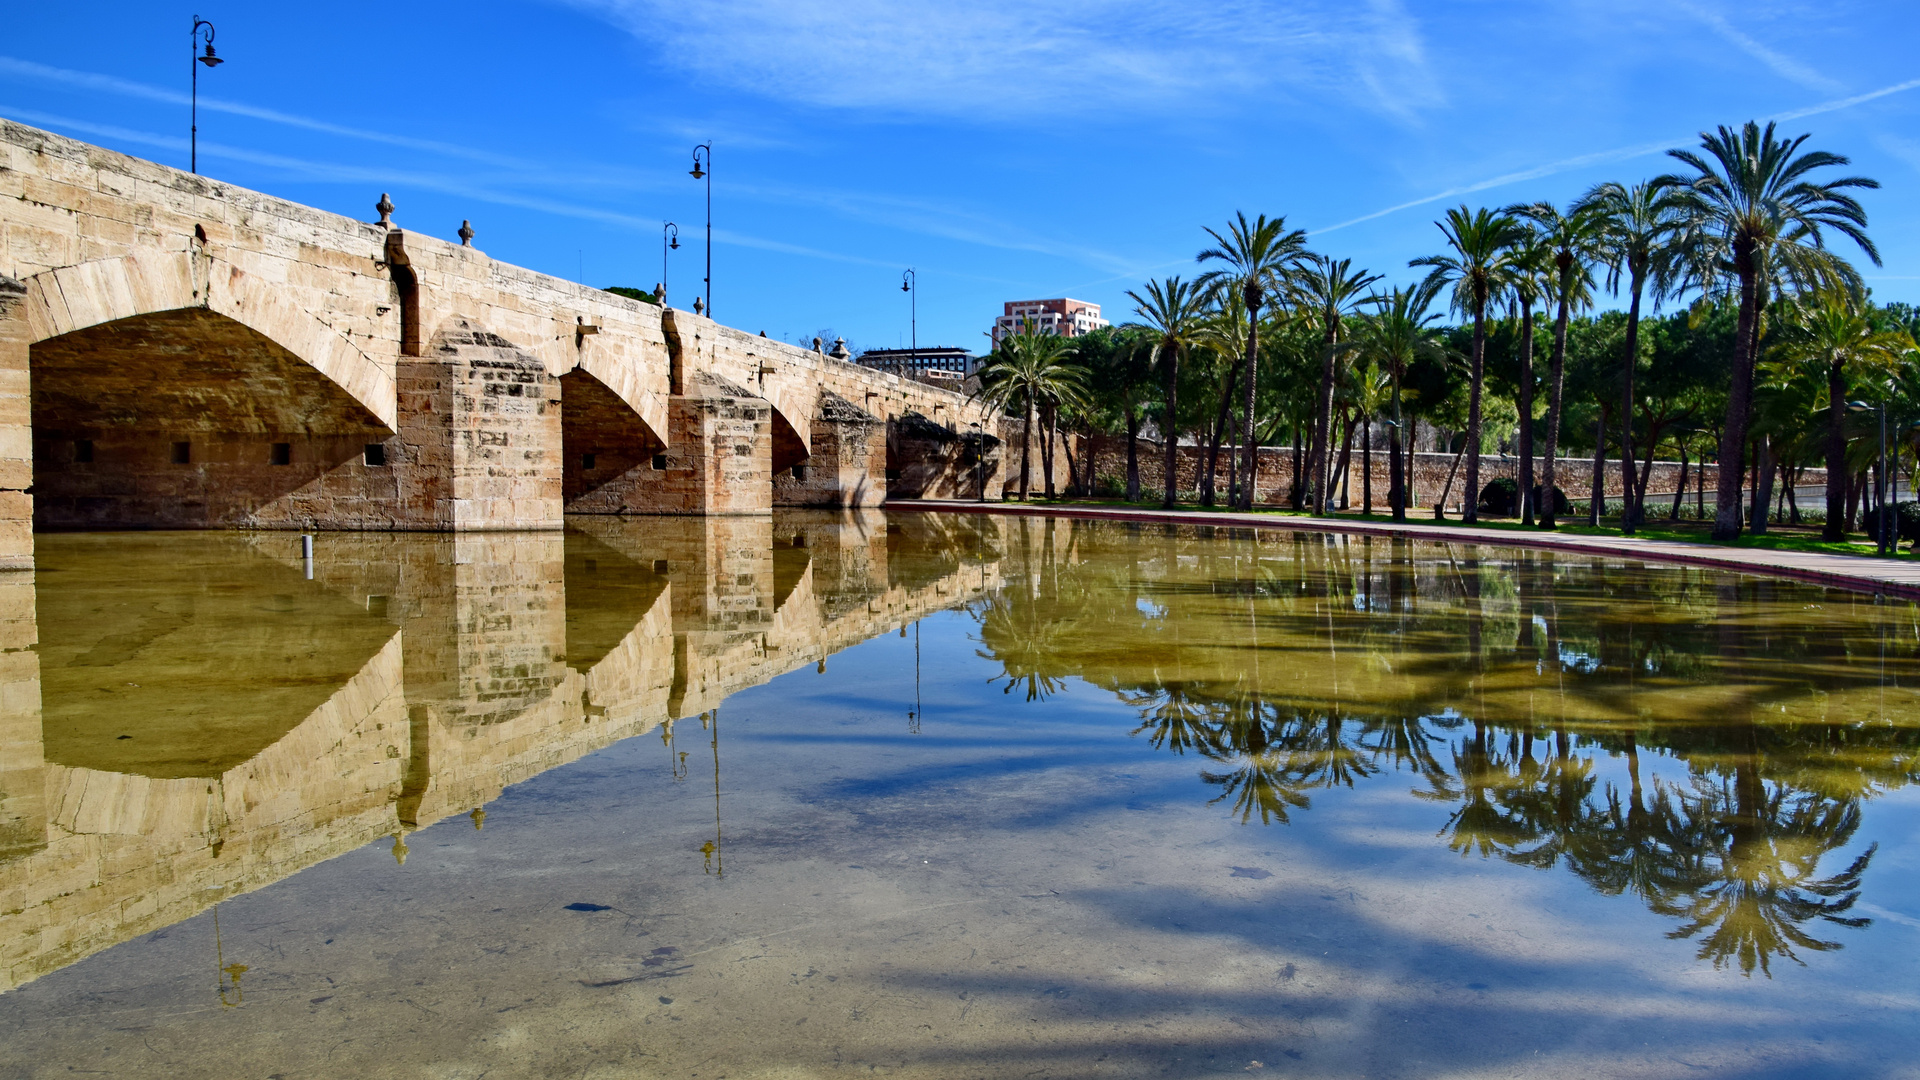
x=1326, y=290
x=1640, y=231
x=1833, y=332
x=1174, y=311
x=1478, y=269
x=1531, y=279
x=1575, y=239
x=1372, y=391
x=1257, y=255
x=1749, y=203
x=1399, y=332
x=1033, y=369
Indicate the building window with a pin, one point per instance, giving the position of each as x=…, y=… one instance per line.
x=83, y=450
x=182, y=453
x=282, y=453
x=659, y=463
x=586, y=462
x=376, y=453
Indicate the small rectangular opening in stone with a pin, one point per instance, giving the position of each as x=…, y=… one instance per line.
x=799, y=472
x=182, y=453
x=377, y=605
x=376, y=453
x=659, y=463
x=659, y=566
x=83, y=450
x=282, y=453
x=893, y=474
x=586, y=462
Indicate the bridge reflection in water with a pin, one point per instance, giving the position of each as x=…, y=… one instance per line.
x=189, y=716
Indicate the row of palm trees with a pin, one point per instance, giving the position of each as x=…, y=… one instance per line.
x=1748, y=226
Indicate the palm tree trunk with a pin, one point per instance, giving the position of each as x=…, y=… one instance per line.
x=1133, y=453
x=1209, y=490
x=1253, y=363
x=1346, y=464
x=1733, y=437
x=1048, y=413
x=1836, y=526
x=1297, y=488
x=1556, y=379
x=1396, y=478
x=1323, y=427
x=1680, y=489
x=1599, y=503
x=1763, y=485
x=1170, y=431
x=1630, y=507
x=1026, y=447
x=1526, y=411
x=1366, y=468
x=1471, y=503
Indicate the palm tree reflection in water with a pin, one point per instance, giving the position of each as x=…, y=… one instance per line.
x=1324, y=668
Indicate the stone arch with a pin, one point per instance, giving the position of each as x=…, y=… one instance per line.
x=604, y=441
x=79, y=297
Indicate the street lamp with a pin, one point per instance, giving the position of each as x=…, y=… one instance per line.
x=910, y=284
x=707, y=174
x=669, y=240
x=194, y=59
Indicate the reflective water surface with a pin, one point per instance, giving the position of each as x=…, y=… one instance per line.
x=822, y=794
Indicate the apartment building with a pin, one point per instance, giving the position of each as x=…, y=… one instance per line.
x=1068, y=318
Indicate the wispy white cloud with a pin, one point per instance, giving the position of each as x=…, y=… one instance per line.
x=1778, y=62
x=1047, y=62
x=1625, y=153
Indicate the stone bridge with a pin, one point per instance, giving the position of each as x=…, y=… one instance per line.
x=179, y=352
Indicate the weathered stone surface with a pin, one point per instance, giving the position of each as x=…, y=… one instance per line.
x=152, y=307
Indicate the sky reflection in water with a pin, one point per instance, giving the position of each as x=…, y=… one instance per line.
x=953, y=796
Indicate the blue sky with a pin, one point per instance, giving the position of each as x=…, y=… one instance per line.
x=1005, y=149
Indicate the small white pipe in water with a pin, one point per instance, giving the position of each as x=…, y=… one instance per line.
x=306, y=553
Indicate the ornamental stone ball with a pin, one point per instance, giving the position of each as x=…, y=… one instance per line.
x=385, y=206
x=466, y=233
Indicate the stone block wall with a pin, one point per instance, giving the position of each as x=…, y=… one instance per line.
x=847, y=466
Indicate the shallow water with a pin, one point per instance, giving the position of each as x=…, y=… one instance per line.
x=815, y=795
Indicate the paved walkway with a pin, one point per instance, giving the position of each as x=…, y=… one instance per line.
x=1857, y=572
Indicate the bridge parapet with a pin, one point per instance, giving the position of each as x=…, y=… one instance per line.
x=299, y=385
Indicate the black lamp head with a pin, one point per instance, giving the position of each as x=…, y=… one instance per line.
x=211, y=60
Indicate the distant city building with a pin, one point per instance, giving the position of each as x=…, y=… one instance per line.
x=914, y=362
x=1068, y=318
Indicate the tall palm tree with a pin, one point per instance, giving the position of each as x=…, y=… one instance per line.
x=1478, y=269
x=1326, y=290
x=1034, y=370
x=1174, y=312
x=1531, y=279
x=1257, y=255
x=1575, y=239
x=1400, y=331
x=1751, y=201
x=1641, y=228
x=1832, y=331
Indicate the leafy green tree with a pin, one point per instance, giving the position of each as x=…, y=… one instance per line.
x=1326, y=291
x=1576, y=242
x=1478, y=267
x=1830, y=330
x=1752, y=201
x=1257, y=256
x=1640, y=231
x=1173, y=313
x=1031, y=370
x=1399, y=332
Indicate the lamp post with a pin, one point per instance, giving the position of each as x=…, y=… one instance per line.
x=910, y=284
x=707, y=174
x=194, y=59
x=669, y=241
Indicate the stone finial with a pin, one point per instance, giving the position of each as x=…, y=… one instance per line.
x=466, y=233
x=818, y=345
x=385, y=206
x=763, y=333
x=840, y=349
x=698, y=306
x=660, y=293
x=479, y=817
